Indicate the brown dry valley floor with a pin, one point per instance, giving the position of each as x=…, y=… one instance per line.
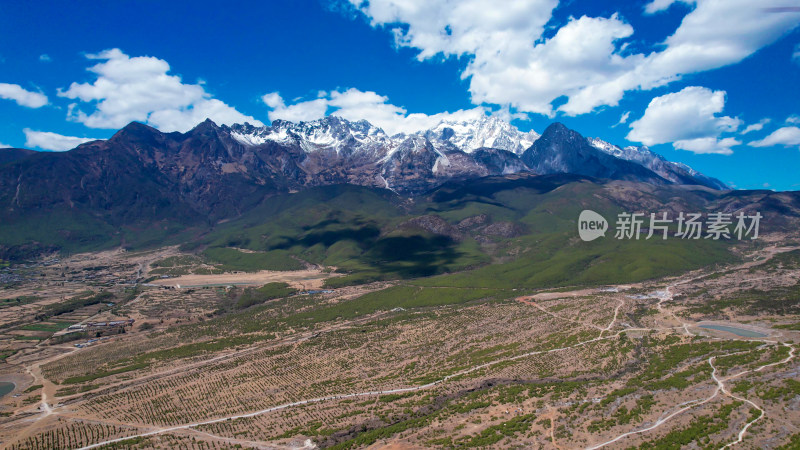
x=611, y=366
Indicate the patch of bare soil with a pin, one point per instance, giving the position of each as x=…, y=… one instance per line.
x=300, y=279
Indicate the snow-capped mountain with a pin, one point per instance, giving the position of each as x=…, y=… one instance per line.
x=335, y=133
x=213, y=172
x=221, y=171
x=360, y=152
x=334, y=149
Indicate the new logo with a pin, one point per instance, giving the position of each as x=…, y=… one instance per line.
x=591, y=225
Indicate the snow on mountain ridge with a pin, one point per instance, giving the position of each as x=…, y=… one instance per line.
x=333, y=131
x=366, y=142
x=486, y=132
x=606, y=147
x=673, y=171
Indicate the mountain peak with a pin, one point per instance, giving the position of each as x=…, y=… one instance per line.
x=204, y=128
x=556, y=128
x=135, y=130
x=136, y=126
x=557, y=134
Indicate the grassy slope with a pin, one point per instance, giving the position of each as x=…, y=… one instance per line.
x=73, y=232
x=356, y=230
x=349, y=227
x=552, y=254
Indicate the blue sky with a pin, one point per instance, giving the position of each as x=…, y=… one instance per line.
x=713, y=84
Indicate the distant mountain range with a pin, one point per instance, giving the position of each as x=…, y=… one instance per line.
x=414, y=163
x=219, y=171
x=214, y=173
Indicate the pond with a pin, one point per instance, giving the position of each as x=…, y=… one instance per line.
x=737, y=331
x=6, y=388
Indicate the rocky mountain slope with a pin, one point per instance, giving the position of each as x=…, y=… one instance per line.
x=674, y=172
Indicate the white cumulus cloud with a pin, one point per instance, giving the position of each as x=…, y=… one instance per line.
x=657, y=6
x=512, y=63
x=457, y=28
x=298, y=112
x=141, y=89
x=707, y=145
x=47, y=140
x=756, y=126
x=353, y=104
x=21, y=96
x=689, y=119
x=786, y=136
